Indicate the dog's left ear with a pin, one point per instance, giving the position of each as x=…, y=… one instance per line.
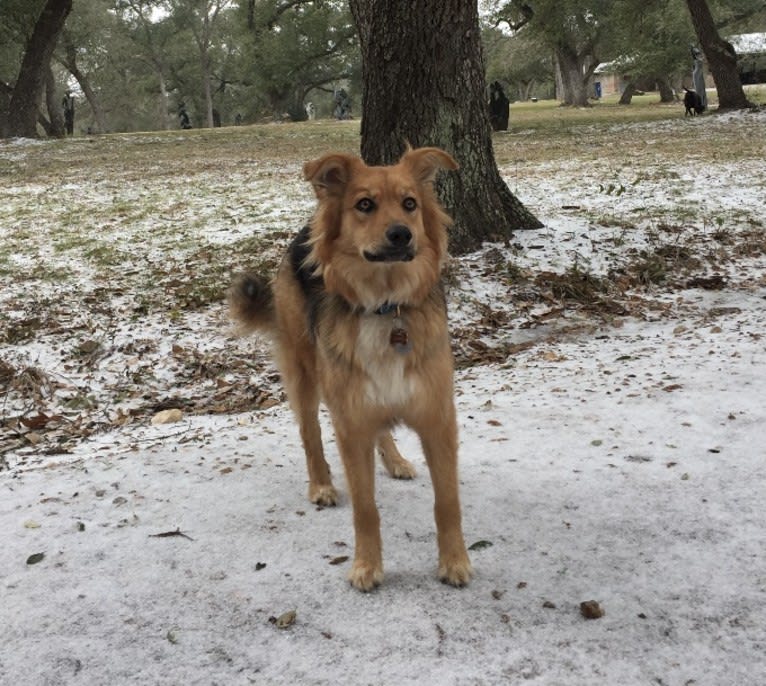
x=329, y=174
x=426, y=162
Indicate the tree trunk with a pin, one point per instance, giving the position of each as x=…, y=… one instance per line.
x=628, y=93
x=207, y=90
x=721, y=58
x=574, y=84
x=27, y=94
x=5, y=100
x=70, y=62
x=423, y=75
x=53, y=105
x=666, y=91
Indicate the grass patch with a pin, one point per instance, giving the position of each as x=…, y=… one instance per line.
x=167, y=217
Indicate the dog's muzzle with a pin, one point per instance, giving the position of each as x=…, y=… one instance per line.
x=397, y=248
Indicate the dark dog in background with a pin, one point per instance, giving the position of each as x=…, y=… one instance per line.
x=692, y=103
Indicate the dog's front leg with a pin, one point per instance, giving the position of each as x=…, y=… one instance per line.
x=439, y=441
x=357, y=452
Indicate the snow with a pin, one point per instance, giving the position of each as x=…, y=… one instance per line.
x=749, y=43
x=618, y=459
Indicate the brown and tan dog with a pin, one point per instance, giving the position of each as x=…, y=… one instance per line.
x=358, y=317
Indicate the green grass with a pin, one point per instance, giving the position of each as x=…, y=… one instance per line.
x=128, y=210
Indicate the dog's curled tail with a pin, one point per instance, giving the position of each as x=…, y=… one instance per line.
x=251, y=303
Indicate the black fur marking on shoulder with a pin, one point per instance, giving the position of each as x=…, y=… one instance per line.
x=311, y=284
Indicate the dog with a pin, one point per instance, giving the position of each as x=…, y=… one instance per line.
x=692, y=103
x=358, y=318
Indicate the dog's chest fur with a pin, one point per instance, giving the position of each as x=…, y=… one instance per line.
x=387, y=383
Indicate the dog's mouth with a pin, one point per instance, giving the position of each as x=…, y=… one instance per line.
x=390, y=255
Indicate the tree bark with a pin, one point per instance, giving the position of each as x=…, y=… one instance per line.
x=720, y=56
x=666, y=91
x=423, y=75
x=28, y=91
x=628, y=93
x=163, y=99
x=70, y=62
x=53, y=105
x=573, y=81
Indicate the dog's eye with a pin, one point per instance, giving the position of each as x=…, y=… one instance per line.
x=365, y=205
x=410, y=204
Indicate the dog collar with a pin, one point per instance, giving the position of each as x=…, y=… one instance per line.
x=387, y=308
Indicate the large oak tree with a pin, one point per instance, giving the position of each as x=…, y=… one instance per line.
x=721, y=57
x=30, y=84
x=423, y=74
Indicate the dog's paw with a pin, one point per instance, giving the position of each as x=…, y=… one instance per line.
x=365, y=577
x=403, y=469
x=325, y=496
x=456, y=572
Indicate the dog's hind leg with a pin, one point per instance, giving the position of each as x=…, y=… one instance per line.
x=395, y=464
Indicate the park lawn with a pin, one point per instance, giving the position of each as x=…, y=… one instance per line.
x=609, y=387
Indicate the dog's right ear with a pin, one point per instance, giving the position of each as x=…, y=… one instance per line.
x=329, y=174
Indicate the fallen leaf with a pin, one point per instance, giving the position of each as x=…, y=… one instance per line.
x=168, y=534
x=590, y=609
x=480, y=545
x=672, y=387
x=284, y=620
x=34, y=559
x=88, y=347
x=37, y=422
x=33, y=438
x=167, y=416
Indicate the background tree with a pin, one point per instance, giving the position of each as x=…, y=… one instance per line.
x=649, y=41
x=90, y=44
x=518, y=61
x=572, y=31
x=54, y=125
x=423, y=75
x=151, y=35
x=720, y=56
x=202, y=18
x=131, y=62
x=295, y=48
x=25, y=99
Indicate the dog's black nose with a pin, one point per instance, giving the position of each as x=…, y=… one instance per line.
x=399, y=236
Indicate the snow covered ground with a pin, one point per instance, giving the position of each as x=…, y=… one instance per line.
x=612, y=449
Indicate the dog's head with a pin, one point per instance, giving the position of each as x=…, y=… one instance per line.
x=379, y=234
